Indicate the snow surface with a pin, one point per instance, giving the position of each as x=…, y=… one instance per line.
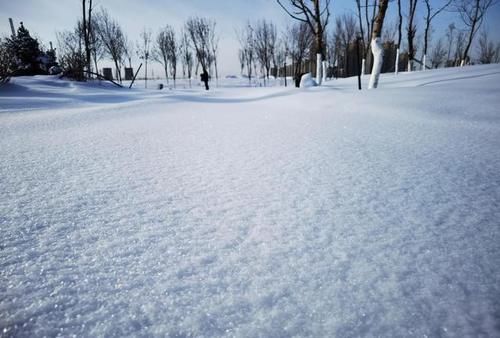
x=252, y=211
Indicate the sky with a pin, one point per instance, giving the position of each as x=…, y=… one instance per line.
x=46, y=17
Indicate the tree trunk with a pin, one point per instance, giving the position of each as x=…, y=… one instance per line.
x=89, y=31
x=166, y=72
x=318, y=69
x=396, y=63
x=411, y=33
x=118, y=73
x=376, y=45
x=324, y=66
x=471, y=34
x=146, y=74
x=361, y=32
x=398, y=46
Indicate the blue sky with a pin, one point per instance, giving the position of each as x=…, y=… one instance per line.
x=45, y=17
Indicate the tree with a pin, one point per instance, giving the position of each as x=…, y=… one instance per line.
x=162, y=51
x=438, y=55
x=5, y=58
x=376, y=44
x=246, y=37
x=241, y=59
x=214, y=48
x=280, y=56
x=362, y=34
x=450, y=38
x=316, y=17
x=301, y=40
x=113, y=39
x=459, y=47
x=345, y=34
x=87, y=28
x=144, y=51
x=186, y=56
x=265, y=44
x=173, y=53
x=398, y=46
x=472, y=13
x=71, y=55
x=200, y=30
x=24, y=51
x=496, y=59
x=486, y=48
x=429, y=16
x=411, y=31
x=97, y=48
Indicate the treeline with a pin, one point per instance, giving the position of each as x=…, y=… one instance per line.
x=97, y=36
x=310, y=43
x=407, y=40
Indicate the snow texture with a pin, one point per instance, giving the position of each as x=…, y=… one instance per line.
x=252, y=211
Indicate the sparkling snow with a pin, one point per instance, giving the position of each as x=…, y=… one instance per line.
x=270, y=212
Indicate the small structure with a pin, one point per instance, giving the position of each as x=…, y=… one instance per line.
x=107, y=73
x=129, y=74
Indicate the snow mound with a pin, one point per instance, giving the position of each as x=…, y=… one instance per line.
x=306, y=81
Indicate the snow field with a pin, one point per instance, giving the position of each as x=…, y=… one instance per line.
x=253, y=212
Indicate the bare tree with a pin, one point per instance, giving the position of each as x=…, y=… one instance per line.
x=362, y=33
x=486, y=48
x=247, y=42
x=301, y=40
x=173, y=55
x=199, y=30
x=214, y=48
x=389, y=32
x=144, y=51
x=71, y=54
x=450, y=38
x=459, y=47
x=411, y=31
x=5, y=59
x=334, y=49
x=265, y=43
x=472, y=13
x=241, y=59
x=496, y=59
x=186, y=56
x=165, y=49
x=316, y=17
x=376, y=44
x=345, y=34
x=87, y=31
x=280, y=56
x=438, y=56
x=430, y=14
x=113, y=39
x=97, y=48
x=398, y=46
x=129, y=51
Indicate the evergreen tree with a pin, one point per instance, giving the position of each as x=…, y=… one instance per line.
x=25, y=51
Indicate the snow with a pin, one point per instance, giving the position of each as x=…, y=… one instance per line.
x=306, y=81
x=241, y=211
